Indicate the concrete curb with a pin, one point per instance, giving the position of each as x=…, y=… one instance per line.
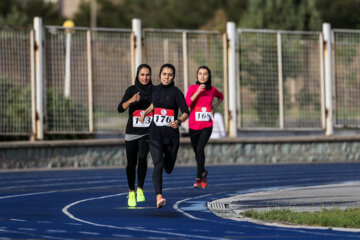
x=227, y=207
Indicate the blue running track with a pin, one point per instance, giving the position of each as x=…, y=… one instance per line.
x=92, y=204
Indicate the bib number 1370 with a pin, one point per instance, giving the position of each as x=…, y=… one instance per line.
x=163, y=116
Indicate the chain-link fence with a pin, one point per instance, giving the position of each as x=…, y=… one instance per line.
x=346, y=65
x=100, y=72
x=66, y=113
x=15, y=81
x=111, y=63
x=87, y=71
x=280, y=79
x=207, y=49
x=198, y=47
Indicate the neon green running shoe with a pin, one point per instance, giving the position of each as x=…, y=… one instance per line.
x=131, y=199
x=140, y=195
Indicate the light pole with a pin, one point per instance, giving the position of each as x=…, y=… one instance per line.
x=69, y=29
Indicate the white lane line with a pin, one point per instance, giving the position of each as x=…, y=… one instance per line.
x=166, y=229
x=89, y=233
x=52, y=180
x=71, y=189
x=61, y=184
x=47, y=222
x=233, y=232
x=66, y=211
x=56, y=191
x=36, y=235
x=199, y=230
x=56, y=231
x=122, y=235
x=26, y=229
x=75, y=224
x=176, y=206
x=18, y=220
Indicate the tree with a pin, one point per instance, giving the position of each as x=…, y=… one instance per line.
x=153, y=13
x=282, y=14
x=258, y=67
x=234, y=9
x=108, y=13
x=21, y=13
x=340, y=13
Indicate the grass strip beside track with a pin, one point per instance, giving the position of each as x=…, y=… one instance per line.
x=336, y=217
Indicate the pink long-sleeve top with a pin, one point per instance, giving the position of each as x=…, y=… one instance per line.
x=200, y=108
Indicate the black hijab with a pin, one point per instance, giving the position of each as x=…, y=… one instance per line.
x=167, y=65
x=143, y=89
x=208, y=83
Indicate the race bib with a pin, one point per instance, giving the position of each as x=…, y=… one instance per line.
x=136, y=119
x=203, y=114
x=163, y=116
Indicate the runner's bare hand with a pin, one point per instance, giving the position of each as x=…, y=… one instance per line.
x=142, y=117
x=135, y=98
x=174, y=124
x=201, y=88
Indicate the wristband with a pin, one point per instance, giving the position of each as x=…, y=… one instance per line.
x=179, y=122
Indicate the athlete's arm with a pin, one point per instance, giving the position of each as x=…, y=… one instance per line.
x=198, y=91
x=182, y=118
x=220, y=98
x=213, y=109
x=180, y=101
x=134, y=98
x=146, y=112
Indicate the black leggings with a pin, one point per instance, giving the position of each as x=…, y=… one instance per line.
x=134, y=148
x=164, y=157
x=199, y=138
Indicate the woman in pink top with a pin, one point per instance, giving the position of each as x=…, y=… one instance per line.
x=199, y=98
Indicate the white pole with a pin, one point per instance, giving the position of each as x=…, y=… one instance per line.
x=136, y=27
x=226, y=89
x=185, y=67
x=280, y=82
x=90, y=88
x=185, y=61
x=231, y=32
x=67, y=65
x=322, y=81
x=33, y=87
x=132, y=57
x=38, y=28
x=328, y=79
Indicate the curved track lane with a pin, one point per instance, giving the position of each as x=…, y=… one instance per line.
x=92, y=204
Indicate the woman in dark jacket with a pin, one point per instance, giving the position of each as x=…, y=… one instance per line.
x=164, y=136
x=137, y=98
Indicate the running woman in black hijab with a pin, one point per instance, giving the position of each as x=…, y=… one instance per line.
x=164, y=130
x=137, y=98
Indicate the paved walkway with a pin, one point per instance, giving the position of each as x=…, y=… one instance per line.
x=301, y=199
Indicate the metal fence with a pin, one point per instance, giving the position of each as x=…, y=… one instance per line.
x=186, y=50
x=346, y=64
x=280, y=79
x=280, y=76
x=16, y=106
x=100, y=73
